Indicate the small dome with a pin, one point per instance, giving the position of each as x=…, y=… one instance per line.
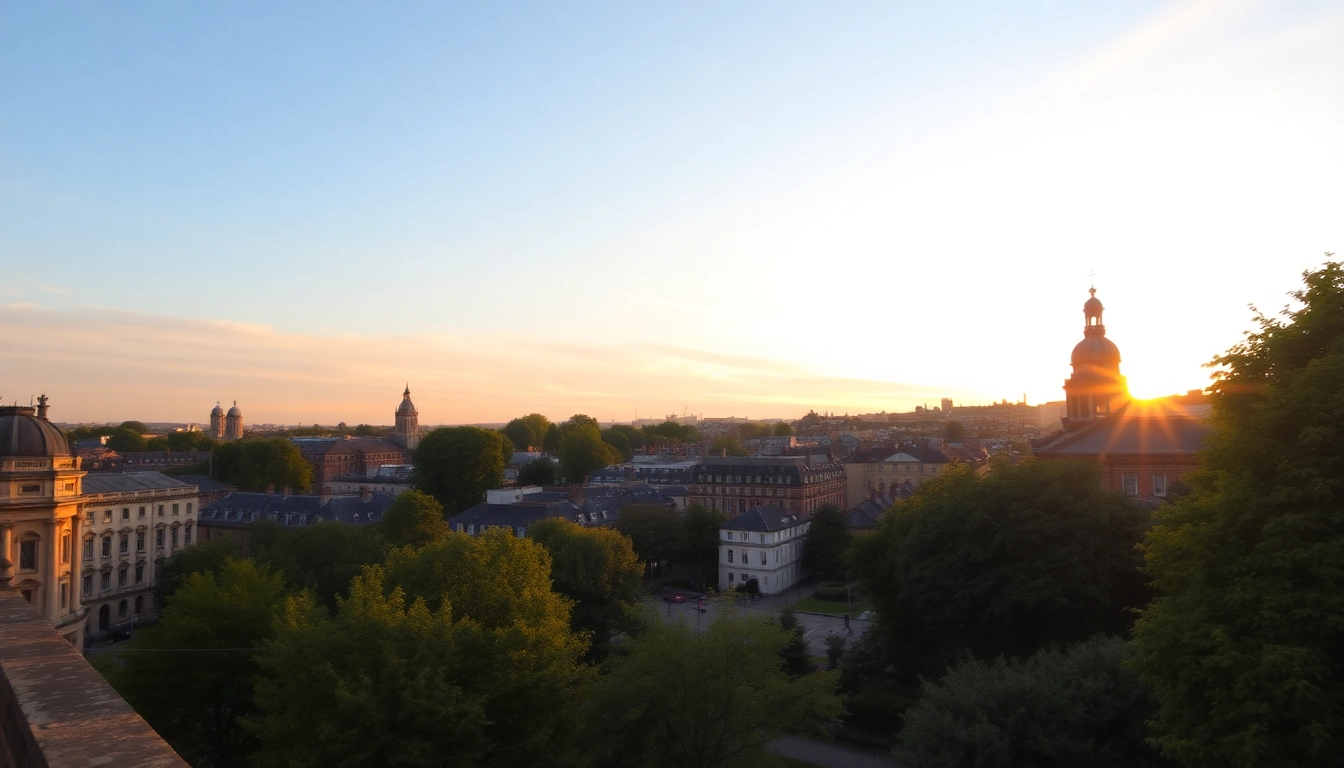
x=234, y=411
x=217, y=411
x=23, y=434
x=406, y=406
x=1096, y=351
x=1092, y=306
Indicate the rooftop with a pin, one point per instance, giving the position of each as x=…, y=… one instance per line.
x=765, y=519
x=126, y=482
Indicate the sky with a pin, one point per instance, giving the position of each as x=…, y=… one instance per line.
x=636, y=209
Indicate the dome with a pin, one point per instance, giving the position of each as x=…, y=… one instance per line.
x=406, y=406
x=235, y=412
x=23, y=434
x=1096, y=351
x=217, y=411
x=1092, y=306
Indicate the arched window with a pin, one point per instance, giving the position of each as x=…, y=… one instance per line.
x=139, y=603
x=121, y=608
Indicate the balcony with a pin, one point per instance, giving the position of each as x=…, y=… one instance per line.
x=56, y=711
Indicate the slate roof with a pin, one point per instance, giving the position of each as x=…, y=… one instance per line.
x=594, y=505
x=124, y=482
x=238, y=510
x=203, y=482
x=1122, y=434
x=903, y=452
x=864, y=515
x=766, y=518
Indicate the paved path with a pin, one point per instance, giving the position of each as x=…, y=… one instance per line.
x=815, y=625
x=829, y=754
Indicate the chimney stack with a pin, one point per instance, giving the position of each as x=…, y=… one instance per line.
x=42, y=407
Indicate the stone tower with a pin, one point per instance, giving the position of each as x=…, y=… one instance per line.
x=216, y=423
x=407, y=421
x=233, y=423
x=1096, y=389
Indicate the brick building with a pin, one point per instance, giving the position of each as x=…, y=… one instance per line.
x=794, y=483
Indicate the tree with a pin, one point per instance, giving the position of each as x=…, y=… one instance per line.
x=1243, y=645
x=782, y=429
x=125, y=440
x=675, y=699
x=671, y=432
x=196, y=700
x=582, y=450
x=701, y=537
x=527, y=432
x=1008, y=562
x=796, y=657
x=827, y=541
x=321, y=558
x=188, y=441
x=727, y=446
x=414, y=519
x=655, y=531
x=835, y=649
x=526, y=660
x=263, y=464
x=550, y=443
x=954, y=431
x=617, y=439
x=538, y=472
x=205, y=557
x=598, y=569
x=457, y=465
x=1083, y=706
x=138, y=427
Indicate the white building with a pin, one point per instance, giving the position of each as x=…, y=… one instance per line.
x=765, y=544
x=132, y=522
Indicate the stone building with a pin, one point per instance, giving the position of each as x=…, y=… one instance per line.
x=226, y=426
x=893, y=469
x=132, y=523
x=407, y=428
x=735, y=484
x=40, y=492
x=764, y=544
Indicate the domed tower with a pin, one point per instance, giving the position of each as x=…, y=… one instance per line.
x=41, y=487
x=233, y=423
x=407, y=420
x=217, y=422
x=1096, y=389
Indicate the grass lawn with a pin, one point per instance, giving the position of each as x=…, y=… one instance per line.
x=813, y=605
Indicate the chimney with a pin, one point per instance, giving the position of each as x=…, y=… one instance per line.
x=365, y=495
x=42, y=407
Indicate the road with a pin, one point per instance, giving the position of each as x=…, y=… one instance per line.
x=815, y=626
x=829, y=754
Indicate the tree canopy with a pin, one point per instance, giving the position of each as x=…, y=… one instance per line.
x=701, y=540
x=204, y=557
x=598, y=569
x=124, y=440
x=727, y=446
x=655, y=531
x=782, y=429
x=457, y=465
x=826, y=543
x=263, y=464
x=527, y=432
x=582, y=449
x=321, y=558
x=540, y=471
x=1243, y=645
x=414, y=519
x=1027, y=555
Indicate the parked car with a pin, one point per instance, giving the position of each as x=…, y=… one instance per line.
x=671, y=598
x=117, y=635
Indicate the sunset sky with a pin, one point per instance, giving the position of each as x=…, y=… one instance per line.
x=731, y=208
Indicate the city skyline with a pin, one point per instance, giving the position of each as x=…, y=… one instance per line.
x=748, y=210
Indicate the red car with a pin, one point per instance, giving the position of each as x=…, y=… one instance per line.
x=674, y=598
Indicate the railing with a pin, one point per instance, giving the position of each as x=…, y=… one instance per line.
x=56, y=711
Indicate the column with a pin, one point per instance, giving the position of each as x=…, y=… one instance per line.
x=7, y=551
x=76, y=561
x=49, y=552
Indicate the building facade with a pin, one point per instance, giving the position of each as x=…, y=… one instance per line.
x=132, y=523
x=735, y=485
x=891, y=469
x=765, y=545
x=40, y=489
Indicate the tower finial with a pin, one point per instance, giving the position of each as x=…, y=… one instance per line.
x=1092, y=282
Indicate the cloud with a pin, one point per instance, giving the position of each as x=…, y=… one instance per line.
x=108, y=364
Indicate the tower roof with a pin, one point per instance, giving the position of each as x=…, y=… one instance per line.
x=406, y=405
x=24, y=434
x=217, y=411
x=234, y=410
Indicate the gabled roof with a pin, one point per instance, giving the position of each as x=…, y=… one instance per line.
x=766, y=518
x=864, y=515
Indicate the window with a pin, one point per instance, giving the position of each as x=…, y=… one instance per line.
x=139, y=603
x=106, y=581
x=139, y=541
x=175, y=506
x=471, y=530
x=121, y=577
x=125, y=545
x=189, y=506
x=174, y=539
x=160, y=510
x=88, y=549
x=186, y=537
x=1129, y=483
x=28, y=555
x=121, y=608
x=107, y=546
x=88, y=518
x=65, y=594
x=763, y=557
x=158, y=538
x=65, y=548
x=87, y=584
x=730, y=555
x=31, y=488
x=125, y=513
x=762, y=538
x=107, y=516
x=139, y=574
x=1159, y=484
x=141, y=515
x=730, y=576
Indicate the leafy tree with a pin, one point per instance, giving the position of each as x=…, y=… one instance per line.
x=125, y=440
x=196, y=700
x=582, y=450
x=727, y=446
x=655, y=531
x=954, y=432
x=517, y=629
x=457, y=465
x=598, y=569
x=635, y=437
x=671, y=432
x=1243, y=647
x=527, y=432
x=797, y=659
x=1027, y=555
x=367, y=430
x=617, y=439
x=414, y=519
x=320, y=558
x=701, y=526
x=261, y=464
x=835, y=649
x=827, y=541
x=188, y=441
x=156, y=444
x=782, y=429
x=538, y=472
x=1083, y=706
x=675, y=699
x=138, y=427
x=206, y=557
x=380, y=683
x=550, y=442
x=752, y=429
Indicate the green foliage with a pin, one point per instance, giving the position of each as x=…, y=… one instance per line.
x=1027, y=555
x=527, y=432
x=1083, y=706
x=751, y=429
x=835, y=649
x=414, y=519
x=205, y=557
x=368, y=430
x=782, y=429
x=1243, y=647
x=124, y=440
x=156, y=444
x=457, y=465
x=671, y=432
x=196, y=700
x=827, y=541
x=619, y=440
x=655, y=531
x=381, y=683
x=84, y=433
x=138, y=427
x=540, y=471
x=954, y=431
x=637, y=438
x=674, y=699
x=727, y=446
x=181, y=442
x=321, y=558
x=498, y=588
x=261, y=464
x=596, y=568
x=582, y=449
x=796, y=658
x=701, y=526
x=550, y=442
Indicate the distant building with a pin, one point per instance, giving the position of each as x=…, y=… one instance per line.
x=889, y=469
x=407, y=428
x=132, y=523
x=654, y=470
x=863, y=517
x=216, y=430
x=1142, y=447
x=765, y=545
x=393, y=480
x=232, y=516
x=514, y=509
x=795, y=483
x=233, y=423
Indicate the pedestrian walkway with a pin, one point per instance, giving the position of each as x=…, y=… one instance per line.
x=829, y=754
